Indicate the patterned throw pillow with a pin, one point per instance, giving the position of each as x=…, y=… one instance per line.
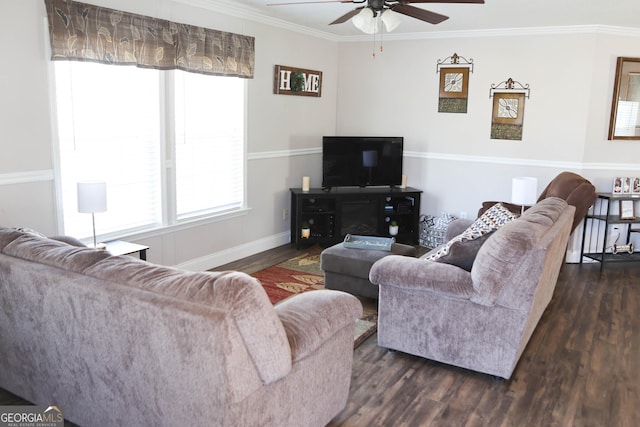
x=462, y=249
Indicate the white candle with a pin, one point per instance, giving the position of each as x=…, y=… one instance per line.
x=305, y=183
x=404, y=181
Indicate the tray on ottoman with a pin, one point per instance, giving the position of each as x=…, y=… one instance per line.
x=368, y=242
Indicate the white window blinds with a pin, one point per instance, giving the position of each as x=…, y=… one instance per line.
x=209, y=124
x=168, y=151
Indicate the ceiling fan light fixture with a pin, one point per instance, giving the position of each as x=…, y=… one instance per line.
x=391, y=19
x=365, y=21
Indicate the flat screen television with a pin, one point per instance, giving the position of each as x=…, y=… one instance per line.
x=361, y=161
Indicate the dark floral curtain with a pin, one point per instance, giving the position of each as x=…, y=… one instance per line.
x=84, y=32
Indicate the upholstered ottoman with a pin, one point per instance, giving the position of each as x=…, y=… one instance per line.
x=347, y=269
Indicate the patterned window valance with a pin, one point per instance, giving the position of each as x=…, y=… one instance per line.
x=84, y=32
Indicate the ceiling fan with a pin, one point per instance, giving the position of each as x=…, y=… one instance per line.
x=364, y=16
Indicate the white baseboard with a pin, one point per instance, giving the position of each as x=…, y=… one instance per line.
x=572, y=257
x=235, y=253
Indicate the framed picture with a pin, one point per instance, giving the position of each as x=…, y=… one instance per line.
x=617, y=185
x=454, y=90
x=627, y=210
x=635, y=186
x=297, y=81
x=508, y=115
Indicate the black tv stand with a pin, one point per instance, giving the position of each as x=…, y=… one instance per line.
x=332, y=213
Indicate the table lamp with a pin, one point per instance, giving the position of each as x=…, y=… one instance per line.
x=524, y=190
x=92, y=198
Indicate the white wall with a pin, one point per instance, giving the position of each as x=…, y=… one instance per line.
x=283, y=133
x=26, y=187
x=451, y=156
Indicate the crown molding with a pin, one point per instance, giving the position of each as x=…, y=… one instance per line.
x=505, y=32
x=246, y=12
x=232, y=8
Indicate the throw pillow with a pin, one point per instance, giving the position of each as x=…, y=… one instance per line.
x=462, y=249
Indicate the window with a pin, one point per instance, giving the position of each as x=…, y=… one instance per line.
x=209, y=143
x=169, y=144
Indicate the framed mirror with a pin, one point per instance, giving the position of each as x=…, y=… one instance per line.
x=625, y=108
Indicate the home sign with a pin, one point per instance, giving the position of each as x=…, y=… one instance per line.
x=297, y=81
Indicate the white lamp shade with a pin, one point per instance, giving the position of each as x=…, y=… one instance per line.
x=524, y=190
x=92, y=196
x=365, y=21
x=391, y=19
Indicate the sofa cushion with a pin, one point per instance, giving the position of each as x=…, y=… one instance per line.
x=239, y=295
x=69, y=240
x=462, y=249
x=31, y=231
x=8, y=235
x=508, y=257
x=54, y=253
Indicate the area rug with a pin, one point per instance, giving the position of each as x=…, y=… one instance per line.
x=303, y=274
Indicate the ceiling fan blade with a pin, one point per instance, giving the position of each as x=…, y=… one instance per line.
x=440, y=1
x=421, y=14
x=347, y=16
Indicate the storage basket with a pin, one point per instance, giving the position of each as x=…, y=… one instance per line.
x=432, y=229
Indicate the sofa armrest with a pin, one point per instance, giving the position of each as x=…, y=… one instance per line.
x=418, y=274
x=312, y=318
x=456, y=228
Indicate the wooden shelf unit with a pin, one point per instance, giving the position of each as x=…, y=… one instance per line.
x=597, y=224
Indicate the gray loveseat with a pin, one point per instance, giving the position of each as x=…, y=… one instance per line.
x=113, y=340
x=480, y=319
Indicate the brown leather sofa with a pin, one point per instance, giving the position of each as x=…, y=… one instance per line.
x=571, y=187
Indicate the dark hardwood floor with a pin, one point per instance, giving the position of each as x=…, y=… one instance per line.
x=581, y=367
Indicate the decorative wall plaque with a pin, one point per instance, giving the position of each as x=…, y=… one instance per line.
x=507, y=118
x=297, y=81
x=454, y=84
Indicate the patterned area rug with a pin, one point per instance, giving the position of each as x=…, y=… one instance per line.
x=303, y=274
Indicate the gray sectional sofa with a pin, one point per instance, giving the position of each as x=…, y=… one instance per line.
x=480, y=319
x=112, y=340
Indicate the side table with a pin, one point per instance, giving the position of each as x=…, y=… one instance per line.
x=120, y=247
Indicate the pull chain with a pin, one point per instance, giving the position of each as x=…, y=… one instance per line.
x=373, y=48
x=381, y=48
